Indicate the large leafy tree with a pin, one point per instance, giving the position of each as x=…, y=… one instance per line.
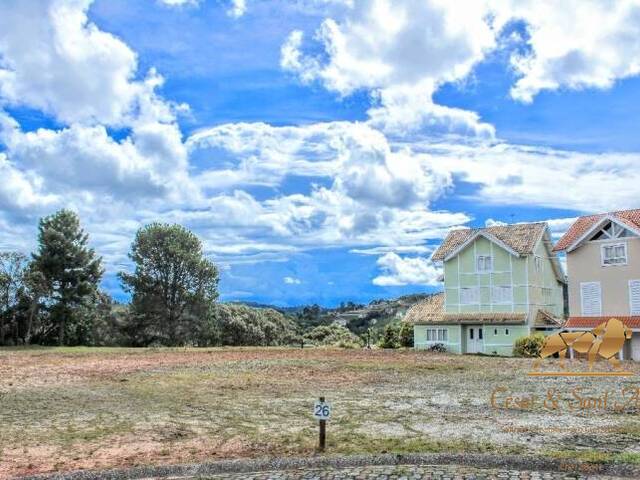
x=173, y=286
x=69, y=268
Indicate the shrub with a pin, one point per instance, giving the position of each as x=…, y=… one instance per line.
x=438, y=348
x=405, y=336
x=390, y=336
x=240, y=325
x=333, y=335
x=529, y=346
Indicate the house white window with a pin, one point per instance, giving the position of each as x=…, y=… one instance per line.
x=614, y=254
x=501, y=294
x=484, y=263
x=591, y=299
x=538, y=263
x=437, y=335
x=634, y=297
x=469, y=296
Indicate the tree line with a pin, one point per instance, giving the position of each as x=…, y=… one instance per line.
x=53, y=296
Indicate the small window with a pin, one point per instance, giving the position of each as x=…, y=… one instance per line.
x=506, y=331
x=484, y=263
x=615, y=254
x=437, y=335
x=471, y=333
x=495, y=332
x=442, y=334
x=538, y=263
x=480, y=334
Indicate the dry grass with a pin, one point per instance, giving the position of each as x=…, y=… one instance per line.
x=64, y=409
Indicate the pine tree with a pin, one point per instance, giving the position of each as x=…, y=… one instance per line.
x=70, y=269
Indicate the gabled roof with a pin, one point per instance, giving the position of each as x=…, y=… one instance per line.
x=583, y=225
x=519, y=239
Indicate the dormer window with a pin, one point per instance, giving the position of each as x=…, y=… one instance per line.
x=612, y=230
x=614, y=254
x=484, y=263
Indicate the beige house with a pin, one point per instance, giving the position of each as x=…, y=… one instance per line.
x=603, y=265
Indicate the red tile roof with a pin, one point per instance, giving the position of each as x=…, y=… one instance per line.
x=582, y=224
x=592, y=322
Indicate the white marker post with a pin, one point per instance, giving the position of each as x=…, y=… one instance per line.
x=322, y=411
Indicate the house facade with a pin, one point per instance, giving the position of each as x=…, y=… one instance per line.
x=603, y=264
x=500, y=283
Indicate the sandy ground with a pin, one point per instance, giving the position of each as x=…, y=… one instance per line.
x=65, y=409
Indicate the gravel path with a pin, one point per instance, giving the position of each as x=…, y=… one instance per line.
x=368, y=467
x=406, y=472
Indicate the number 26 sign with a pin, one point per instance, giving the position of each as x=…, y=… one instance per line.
x=322, y=410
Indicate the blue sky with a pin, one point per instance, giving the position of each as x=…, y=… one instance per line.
x=320, y=149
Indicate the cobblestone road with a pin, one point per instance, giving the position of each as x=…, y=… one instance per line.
x=406, y=472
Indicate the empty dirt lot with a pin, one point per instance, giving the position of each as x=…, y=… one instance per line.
x=64, y=409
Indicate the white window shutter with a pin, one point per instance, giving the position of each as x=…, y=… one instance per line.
x=591, y=299
x=634, y=296
x=469, y=295
x=502, y=294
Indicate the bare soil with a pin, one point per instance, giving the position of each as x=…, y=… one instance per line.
x=67, y=409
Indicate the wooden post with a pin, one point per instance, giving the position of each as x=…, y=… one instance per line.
x=322, y=439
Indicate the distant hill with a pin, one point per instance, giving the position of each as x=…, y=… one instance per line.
x=356, y=317
x=255, y=305
x=284, y=310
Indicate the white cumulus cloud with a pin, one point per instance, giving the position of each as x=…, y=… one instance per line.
x=575, y=44
x=402, y=51
x=522, y=175
x=55, y=60
x=398, y=271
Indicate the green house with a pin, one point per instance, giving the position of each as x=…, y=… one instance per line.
x=500, y=283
